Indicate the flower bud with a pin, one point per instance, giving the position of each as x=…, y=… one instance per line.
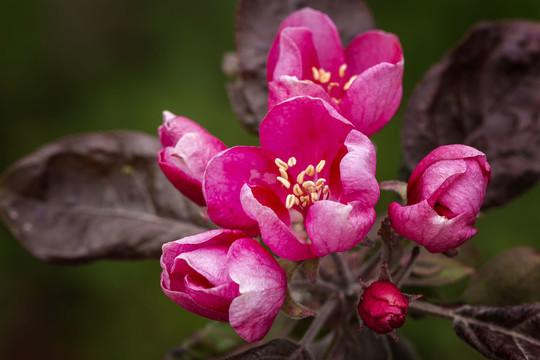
x=187, y=149
x=224, y=276
x=444, y=194
x=383, y=307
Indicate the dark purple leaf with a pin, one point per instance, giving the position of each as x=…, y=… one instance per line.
x=510, y=278
x=257, y=22
x=507, y=333
x=485, y=93
x=277, y=349
x=95, y=196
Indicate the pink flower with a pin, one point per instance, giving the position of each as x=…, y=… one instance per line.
x=309, y=189
x=187, y=148
x=383, y=307
x=444, y=195
x=363, y=82
x=222, y=275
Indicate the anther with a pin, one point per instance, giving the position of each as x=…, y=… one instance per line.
x=314, y=197
x=349, y=83
x=284, y=182
x=325, y=76
x=336, y=100
x=331, y=85
x=320, y=183
x=342, y=69
x=308, y=184
x=300, y=177
x=320, y=165
x=305, y=203
x=297, y=190
x=310, y=170
x=325, y=189
x=281, y=164
x=296, y=201
x=315, y=73
x=289, y=203
x=292, y=161
x=283, y=173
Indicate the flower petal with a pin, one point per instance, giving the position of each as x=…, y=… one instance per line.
x=349, y=225
x=371, y=48
x=174, y=127
x=373, y=97
x=287, y=87
x=357, y=169
x=275, y=227
x=263, y=286
x=423, y=225
x=218, y=298
x=225, y=175
x=210, y=262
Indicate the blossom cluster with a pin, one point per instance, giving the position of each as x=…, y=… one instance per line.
x=310, y=188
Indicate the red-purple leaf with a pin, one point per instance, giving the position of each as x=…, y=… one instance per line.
x=277, y=349
x=95, y=196
x=257, y=22
x=484, y=93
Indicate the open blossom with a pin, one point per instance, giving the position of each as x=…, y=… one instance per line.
x=445, y=193
x=383, y=307
x=363, y=82
x=187, y=148
x=309, y=189
x=222, y=275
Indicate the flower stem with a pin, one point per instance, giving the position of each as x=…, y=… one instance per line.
x=342, y=268
x=322, y=315
x=431, y=309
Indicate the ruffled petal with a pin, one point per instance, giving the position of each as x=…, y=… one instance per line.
x=210, y=262
x=423, y=225
x=371, y=48
x=307, y=128
x=357, y=169
x=275, y=225
x=287, y=87
x=263, y=285
x=225, y=175
x=350, y=223
x=325, y=36
x=218, y=298
x=374, y=97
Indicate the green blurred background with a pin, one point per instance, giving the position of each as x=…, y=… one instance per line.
x=72, y=66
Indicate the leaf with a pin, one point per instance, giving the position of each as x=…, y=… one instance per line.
x=257, y=22
x=510, y=278
x=484, y=93
x=277, y=349
x=508, y=333
x=437, y=270
x=95, y=196
x=214, y=340
x=291, y=307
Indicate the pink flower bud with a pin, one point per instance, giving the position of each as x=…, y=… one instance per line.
x=445, y=193
x=383, y=307
x=222, y=275
x=187, y=149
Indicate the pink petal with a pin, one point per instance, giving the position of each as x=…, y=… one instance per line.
x=263, y=286
x=335, y=227
x=218, y=298
x=373, y=97
x=174, y=127
x=423, y=225
x=292, y=53
x=276, y=230
x=287, y=87
x=371, y=48
x=196, y=150
x=435, y=180
x=306, y=128
x=210, y=262
x=325, y=36
x=224, y=177
x=357, y=170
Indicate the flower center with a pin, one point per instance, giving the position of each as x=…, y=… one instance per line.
x=307, y=188
x=333, y=88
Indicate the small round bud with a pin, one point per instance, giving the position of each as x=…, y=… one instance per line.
x=383, y=307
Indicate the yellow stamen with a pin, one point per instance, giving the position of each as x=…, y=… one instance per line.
x=320, y=165
x=281, y=164
x=283, y=173
x=349, y=83
x=296, y=201
x=325, y=76
x=297, y=190
x=310, y=170
x=342, y=69
x=289, y=203
x=331, y=85
x=292, y=161
x=320, y=183
x=315, y=73
x=336, y=100
x=314, y=197
x=300, y=177
x=305, y=203
x=284, y=182
x=308, y=184
x=325, y=189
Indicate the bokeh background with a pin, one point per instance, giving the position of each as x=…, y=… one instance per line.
x=73, y=66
